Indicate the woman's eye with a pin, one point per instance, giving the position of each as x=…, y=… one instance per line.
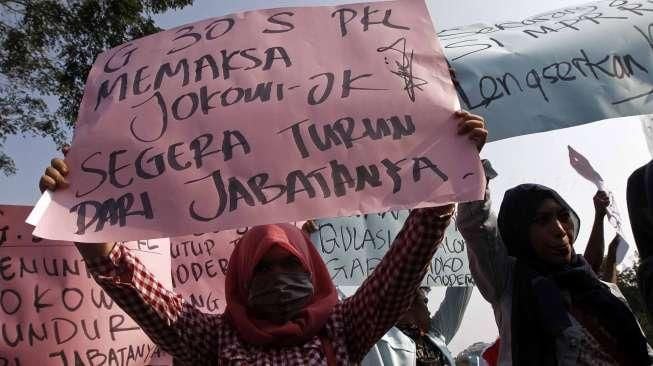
x=293, y=262
x=541, y=220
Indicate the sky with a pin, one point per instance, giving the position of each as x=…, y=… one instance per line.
x=615, y=147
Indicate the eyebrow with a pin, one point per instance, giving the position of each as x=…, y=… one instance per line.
x=545, y=213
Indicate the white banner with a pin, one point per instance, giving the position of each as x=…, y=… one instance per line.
x=555, y=70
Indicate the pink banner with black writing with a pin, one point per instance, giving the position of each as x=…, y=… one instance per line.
x=53, y=313
x=265, y=116
x=199, y=267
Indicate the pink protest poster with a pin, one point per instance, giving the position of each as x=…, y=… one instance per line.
x=199, y=267
x=53, y=313
x=265, y=116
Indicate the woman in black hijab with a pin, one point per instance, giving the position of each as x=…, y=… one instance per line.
x=550, y=307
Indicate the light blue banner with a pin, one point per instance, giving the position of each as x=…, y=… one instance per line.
x=353, y=246
x=559, y=69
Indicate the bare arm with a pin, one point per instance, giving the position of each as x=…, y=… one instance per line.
x=596, y=243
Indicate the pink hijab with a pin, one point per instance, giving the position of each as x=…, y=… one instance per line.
x=248, y=252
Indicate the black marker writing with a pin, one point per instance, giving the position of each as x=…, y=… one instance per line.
x=404, y=69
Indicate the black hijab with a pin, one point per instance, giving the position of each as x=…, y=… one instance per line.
x=640, y=208
x=539, y=311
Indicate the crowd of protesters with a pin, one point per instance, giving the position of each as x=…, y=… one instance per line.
x=552, y=306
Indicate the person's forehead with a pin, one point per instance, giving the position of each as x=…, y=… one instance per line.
x=549, y=205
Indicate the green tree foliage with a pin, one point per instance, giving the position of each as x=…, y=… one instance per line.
x=47, y=48
x=627, y=282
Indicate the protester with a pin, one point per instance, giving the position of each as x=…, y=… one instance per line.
x=419, y=339
x=640, y=209
x=282, y=306
x=549, y=305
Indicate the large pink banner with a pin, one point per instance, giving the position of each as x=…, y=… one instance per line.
x=265, y=116
x=51, y=310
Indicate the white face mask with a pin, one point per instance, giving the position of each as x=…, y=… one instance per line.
x=280, y=297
